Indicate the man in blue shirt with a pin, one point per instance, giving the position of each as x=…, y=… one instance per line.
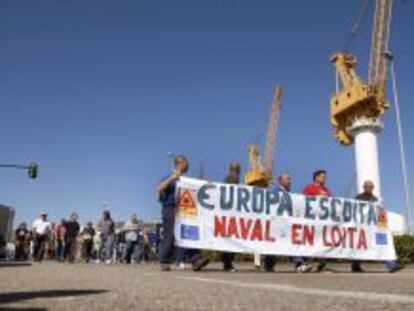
x=167, y=197
x=284, y=187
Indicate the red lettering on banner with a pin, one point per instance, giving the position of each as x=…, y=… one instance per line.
x=325, y=238
x=336, y=236
x=245, y=228
x=240, y=228
x=220, y=226
x=257, y=233
x=308, y=235
x=268, y=237
x=232, y=228
x=296, y=229
x=362, y=241
x=351, y=233
x=302, y=234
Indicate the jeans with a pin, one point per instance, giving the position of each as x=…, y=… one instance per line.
x=60, y=250
x=108, y=245
x=129, y=250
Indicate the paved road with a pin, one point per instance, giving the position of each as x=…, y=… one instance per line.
x=53, y=286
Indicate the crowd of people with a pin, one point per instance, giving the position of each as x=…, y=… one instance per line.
x=135, y=242
x=66, y=241
x=318, y=187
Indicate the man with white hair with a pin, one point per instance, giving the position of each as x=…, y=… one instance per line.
x=41, y=229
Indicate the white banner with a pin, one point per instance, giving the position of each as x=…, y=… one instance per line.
x=239, y=218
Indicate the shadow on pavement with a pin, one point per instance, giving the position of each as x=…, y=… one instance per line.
x=19, y=296
x=25, y=309
x=14, y=264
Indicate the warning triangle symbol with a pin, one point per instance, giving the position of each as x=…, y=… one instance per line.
x=186, y=201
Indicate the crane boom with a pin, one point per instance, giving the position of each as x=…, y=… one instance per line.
x=356, y=99
x=261, y=174
x=272, y=131
x=377, y=74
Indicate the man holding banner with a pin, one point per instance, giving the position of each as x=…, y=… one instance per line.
x=167, y=192
x=232, y=178
x=368, y=196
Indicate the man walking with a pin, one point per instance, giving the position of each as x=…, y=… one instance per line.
x=41, y=228
x=284, y=188
x=106, y=227
x=368, y=196
x=59, y=233
x=166, y=193
x=87, y=234
x=233, y=178
x=72, y=231
x=317, y=188
x=131, y=237
x=21, y=237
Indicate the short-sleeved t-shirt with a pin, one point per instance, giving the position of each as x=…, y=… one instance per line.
x=316, y=190
x=167, y=197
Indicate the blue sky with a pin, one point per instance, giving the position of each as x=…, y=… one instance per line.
x=97, y=92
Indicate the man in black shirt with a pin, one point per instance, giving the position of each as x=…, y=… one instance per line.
x=71, y=235
x=232, y=178
x=368, y=196
x=21, y=237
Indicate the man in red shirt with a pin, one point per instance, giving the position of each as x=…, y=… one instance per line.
x=318, y=188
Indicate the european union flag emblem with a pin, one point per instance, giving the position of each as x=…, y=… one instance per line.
x=381, y=238
x=190, y=232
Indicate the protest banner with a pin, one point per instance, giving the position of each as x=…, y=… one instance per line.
x=240, y=218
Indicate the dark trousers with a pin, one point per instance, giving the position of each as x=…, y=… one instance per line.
x=167, y=248
x=39, y=246
x=87, y=249
x=60, y=250
x=70, y=248
x=269, y=262
x=227, y=259
x=20, y=253
x=166, y=254
x=129, y=250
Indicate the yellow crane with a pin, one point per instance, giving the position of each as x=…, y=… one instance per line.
x=356, y=99
x=260, y=173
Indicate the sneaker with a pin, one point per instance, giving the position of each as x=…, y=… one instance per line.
x=230, y=269
x=165, y=267
x=200, y=264
x=304, y=268
x=395, y=268
x=109, y=262
x=180, y=267
x=97, y=261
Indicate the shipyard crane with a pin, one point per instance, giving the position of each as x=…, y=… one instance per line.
x=356, y=107
x=261, y=173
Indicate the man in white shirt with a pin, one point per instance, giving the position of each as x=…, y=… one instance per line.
x=41, y=229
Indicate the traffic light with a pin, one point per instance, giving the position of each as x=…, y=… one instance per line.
x=32, y=170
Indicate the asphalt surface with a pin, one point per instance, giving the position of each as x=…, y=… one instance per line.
x=54, y=286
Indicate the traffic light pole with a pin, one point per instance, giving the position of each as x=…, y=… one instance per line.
x=32, y=168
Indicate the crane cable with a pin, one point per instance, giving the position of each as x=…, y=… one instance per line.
x=356, y=24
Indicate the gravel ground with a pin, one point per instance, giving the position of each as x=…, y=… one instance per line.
x=54, y=286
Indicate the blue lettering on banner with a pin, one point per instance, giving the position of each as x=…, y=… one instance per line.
x=381, y=238
x=190, y=232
